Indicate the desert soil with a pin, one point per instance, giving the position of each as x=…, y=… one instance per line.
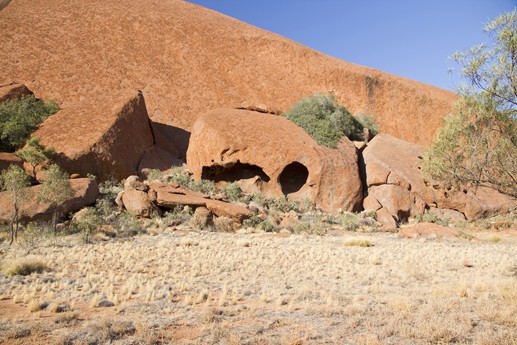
x=192, y=287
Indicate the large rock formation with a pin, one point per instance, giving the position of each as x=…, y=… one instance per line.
x=6, y=159
x=274, y=156
x=105, y=138
x=396, y=185
x=85, y=193
x=187, y=59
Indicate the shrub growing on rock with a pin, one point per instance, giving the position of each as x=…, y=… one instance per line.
x=19, y=118
x=324, y=119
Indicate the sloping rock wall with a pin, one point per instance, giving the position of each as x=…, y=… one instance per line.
x=187, y=59
x=274, y=156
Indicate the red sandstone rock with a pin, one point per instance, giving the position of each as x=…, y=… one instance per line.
x=428, y=230
x=197, y=60
x=85, y=193
x=224, y=209
x=13, y=91
x=6, y=159
x=282, y=159
x=405, y=184
x=106, y=138
x=157, y=158
x=137, y=203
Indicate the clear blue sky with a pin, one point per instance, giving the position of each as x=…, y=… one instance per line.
x=410, y=38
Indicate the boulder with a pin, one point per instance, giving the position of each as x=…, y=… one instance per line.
x=137, y=203
x=395, y=181
x=85, y=193
x=447, y=214
x=279, y=157
x=156, y=158
x=428, y=231
x=6, y=159
x=224, y=209
x=13, y=91
x=106, y=139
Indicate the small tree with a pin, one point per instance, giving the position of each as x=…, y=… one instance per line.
x=56, y=190
x=478, y=144
x=324, y=119
x=35, y=153
x=15, y=181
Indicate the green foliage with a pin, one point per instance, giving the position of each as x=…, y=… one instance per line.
x=478, y=144
x=349, y=221
x=182, y=177
x=367, y=121
x=324, y=119
x=252, y=221
x=431, y=218
x=233, y=192
x=55, y=190
x=14, y=181
x=89, y=221
x=35, y=153
x=19, y=118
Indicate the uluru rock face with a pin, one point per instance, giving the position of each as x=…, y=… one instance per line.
x=106, y=138
x=187, y=59
x=271, y=154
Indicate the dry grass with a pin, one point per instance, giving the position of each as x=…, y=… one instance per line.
x=23, y=266
x=227, y=288
x=358, y=243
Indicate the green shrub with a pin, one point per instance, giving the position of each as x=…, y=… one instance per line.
x=19, y=118
x=251, y=222
x=349, y=221
x=267, y=226
x=431, y=218
x=233, y=192
x=324, y=119
x=367, y=121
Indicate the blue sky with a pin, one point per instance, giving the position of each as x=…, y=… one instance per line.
x=410, y=38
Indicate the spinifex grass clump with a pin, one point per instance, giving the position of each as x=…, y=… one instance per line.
x=23, y=266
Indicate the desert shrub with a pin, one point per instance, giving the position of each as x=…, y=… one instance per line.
x=177, y=215
x=251, y=222
x=183, y=178
x=282, y=204
x=367, y=121
x=324, y=119
x=34, y=233
x=154, y=174
x=23, y=266
x=109, y=189
x=232, y=191
x=129, y=225
x=88, y=223
x=267, y=226
x=431, y=218
x=349, y=221
x=19, y=118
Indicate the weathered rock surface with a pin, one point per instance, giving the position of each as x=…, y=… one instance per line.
x=105, y=138
x=13, y=91
x=428, y=231
x=394, y=180
x=137, y=203
x=197, y=60
x=85, y=193
x=6, y=159
x=278, y=156
x=157, y=158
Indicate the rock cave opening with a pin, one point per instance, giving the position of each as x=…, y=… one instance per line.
x=293, y=177
x=236, y=172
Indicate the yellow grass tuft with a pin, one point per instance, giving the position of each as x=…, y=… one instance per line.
x=23, y=266
x=359, y=243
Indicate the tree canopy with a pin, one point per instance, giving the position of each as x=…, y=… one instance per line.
x=478, y=144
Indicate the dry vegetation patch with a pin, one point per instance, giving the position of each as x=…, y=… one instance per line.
x=218, y=288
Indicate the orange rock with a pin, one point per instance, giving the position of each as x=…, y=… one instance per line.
x=6, y=159
x=137, y=203
x=406, y=190
x=106, y=139
x=197, y=60
x=85, y=193
x=428, y=230
x=230, y=145
x=155, y=157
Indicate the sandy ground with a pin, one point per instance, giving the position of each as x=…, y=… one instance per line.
x=187, y=287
